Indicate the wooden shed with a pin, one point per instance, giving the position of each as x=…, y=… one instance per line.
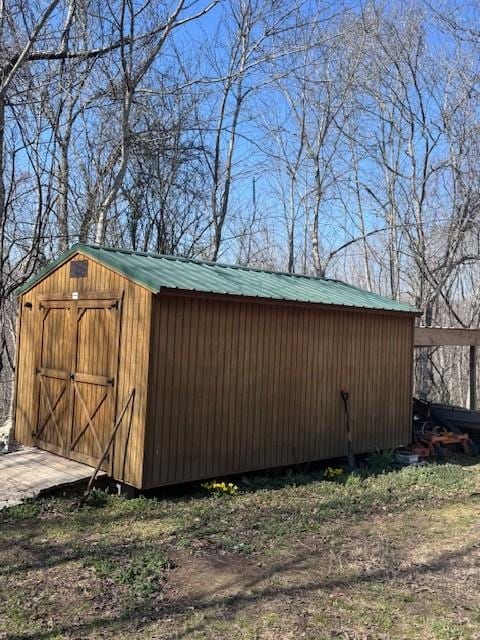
x=206, y=369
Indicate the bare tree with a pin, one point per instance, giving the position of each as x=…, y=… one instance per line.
x=134, y=64
x=322, y=138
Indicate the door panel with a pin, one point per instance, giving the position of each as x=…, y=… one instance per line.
x=77, y=376
x=94, y=379
x=53, y=377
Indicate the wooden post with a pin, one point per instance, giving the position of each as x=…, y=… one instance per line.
x=473, y=376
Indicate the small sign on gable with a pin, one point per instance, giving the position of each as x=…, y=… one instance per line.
x=79, y=268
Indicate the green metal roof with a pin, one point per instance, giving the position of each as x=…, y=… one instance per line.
x=158, y=272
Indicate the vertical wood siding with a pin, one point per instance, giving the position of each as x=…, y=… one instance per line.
x=237, y=386
x=133, y=357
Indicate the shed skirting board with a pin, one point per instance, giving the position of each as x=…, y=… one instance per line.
x=242, y=386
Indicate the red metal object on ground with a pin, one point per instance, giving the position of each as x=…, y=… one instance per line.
x=429, y=441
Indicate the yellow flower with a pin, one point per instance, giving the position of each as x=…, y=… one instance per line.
x=331, y=473
x=214, y=486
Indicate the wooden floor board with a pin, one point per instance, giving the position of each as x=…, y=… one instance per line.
x=30, y=472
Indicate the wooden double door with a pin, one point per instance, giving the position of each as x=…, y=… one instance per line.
x=76, y=375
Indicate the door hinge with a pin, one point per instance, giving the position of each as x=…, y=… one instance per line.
x=110, y=381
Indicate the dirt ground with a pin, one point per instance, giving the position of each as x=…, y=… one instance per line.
x=393, y=556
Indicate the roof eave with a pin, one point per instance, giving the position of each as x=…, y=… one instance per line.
x=409, y=310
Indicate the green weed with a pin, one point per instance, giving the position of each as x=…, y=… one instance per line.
x=143, y=572
x=97, y=498
x=24, y=511
x=381, y=461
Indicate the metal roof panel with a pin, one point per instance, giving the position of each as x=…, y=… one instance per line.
x=156, y=272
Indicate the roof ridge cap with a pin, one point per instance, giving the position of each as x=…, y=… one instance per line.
x=209, y=263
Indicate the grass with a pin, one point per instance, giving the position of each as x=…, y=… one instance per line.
x=391, y=555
